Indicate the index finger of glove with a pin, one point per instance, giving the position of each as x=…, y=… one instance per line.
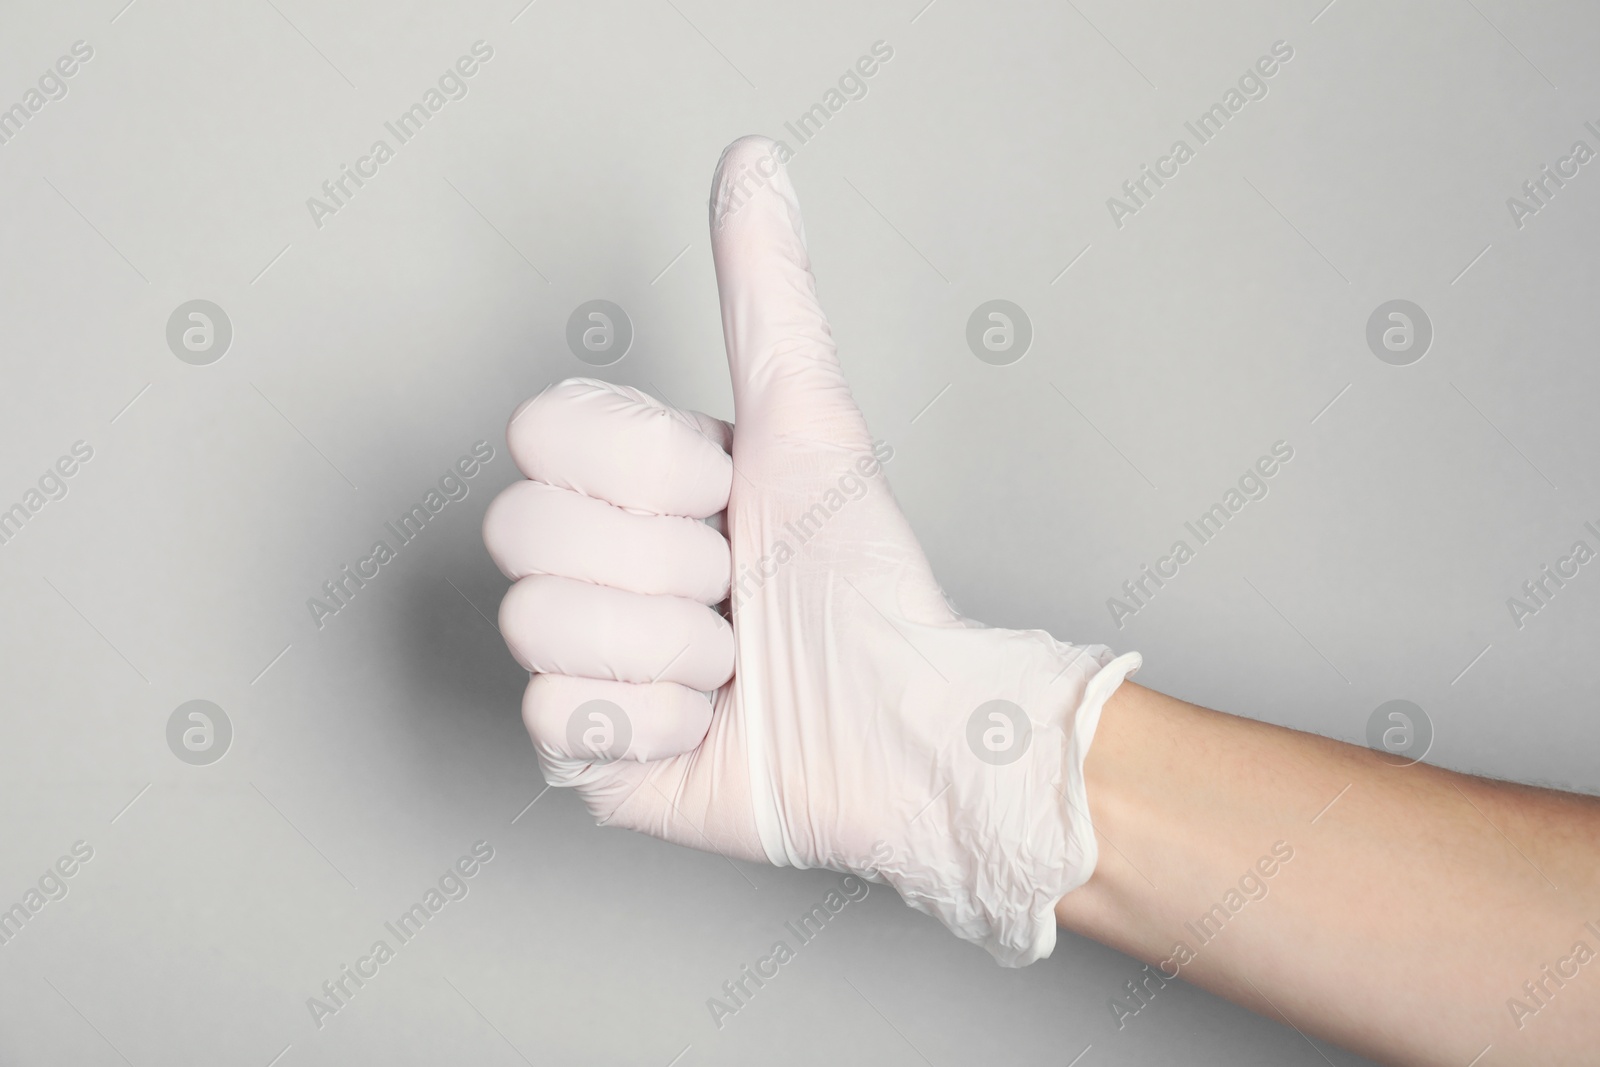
x=620, y=445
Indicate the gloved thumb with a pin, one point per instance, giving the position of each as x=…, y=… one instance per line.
x=781, y=354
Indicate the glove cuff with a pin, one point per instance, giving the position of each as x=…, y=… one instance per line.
x=1048, y=845
x=1081, y=852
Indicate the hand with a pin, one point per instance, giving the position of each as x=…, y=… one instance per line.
x=857, y=722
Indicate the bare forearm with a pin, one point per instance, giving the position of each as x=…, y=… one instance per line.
x=1397, y=911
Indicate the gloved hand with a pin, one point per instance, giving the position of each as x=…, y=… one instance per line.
x=855, y=722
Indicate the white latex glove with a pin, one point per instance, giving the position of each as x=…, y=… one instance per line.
x=851, y=725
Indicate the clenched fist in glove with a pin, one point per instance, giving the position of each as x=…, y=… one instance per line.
x=854, y=720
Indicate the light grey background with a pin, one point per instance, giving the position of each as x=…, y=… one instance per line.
x=369, y=354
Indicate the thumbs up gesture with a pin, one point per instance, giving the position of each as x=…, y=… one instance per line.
x=737, y=644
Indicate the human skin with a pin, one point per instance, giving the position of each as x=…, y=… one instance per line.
x=1397, y=911
x=1415, y=905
